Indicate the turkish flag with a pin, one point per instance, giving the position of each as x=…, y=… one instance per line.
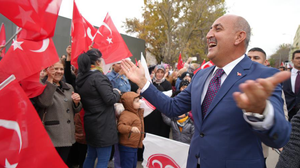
x=109, y=41
x=204, y=65
x=2, y=38
x=148, y=107
x=26, y=58
x=180, y=63
x=207, y=64
x=32, y=85
x=36, y=16
x=199, y=67
x=24, y=141
x=82, y=35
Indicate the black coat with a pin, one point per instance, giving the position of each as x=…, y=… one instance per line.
x=98, y=98
x=292, y=99
x=290, y=156
x=154, y=122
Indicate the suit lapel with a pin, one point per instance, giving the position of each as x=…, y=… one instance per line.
x=237, y=73
x=287, y=87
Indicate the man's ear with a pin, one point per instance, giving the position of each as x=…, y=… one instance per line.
x=240, y=37
x=266, y=63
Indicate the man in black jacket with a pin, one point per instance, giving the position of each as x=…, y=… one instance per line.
x=291, y=87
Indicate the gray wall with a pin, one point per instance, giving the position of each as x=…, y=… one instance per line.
x=62, y=37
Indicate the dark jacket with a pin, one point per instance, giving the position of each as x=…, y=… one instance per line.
x=131, y=118
x=154, y=123
x=290, y=156
x=59, y=117
x=187, y=132
x=98, y=98
x=292, y=99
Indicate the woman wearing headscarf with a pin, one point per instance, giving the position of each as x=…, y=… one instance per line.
x=98, y=99
x=154, y=122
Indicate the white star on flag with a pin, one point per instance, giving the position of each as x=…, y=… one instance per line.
x=109, y=40
x=24, y=16
x=8, y=165
x=16, y=44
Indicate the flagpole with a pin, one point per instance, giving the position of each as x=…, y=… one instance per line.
x=7, y=81
x=17, y=32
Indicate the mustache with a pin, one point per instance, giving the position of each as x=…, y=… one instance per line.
x=212, y=40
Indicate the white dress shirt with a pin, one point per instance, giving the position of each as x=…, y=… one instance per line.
x=293, y=78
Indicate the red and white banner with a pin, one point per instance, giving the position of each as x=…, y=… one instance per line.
x=161, y=152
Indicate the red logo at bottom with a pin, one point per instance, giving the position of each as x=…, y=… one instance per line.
x=161, y=161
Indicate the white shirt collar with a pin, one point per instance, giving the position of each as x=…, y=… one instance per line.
x=294, y=71
x=229, y=67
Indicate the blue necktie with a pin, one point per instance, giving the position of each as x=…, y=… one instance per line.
x=213, y=88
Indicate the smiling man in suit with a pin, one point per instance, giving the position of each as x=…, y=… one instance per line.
x=233, y=110
x=291, y=87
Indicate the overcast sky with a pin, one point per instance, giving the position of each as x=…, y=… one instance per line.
x=273, y=22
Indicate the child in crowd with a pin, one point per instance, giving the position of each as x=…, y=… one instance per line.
x=182, y=126
x=131, y=129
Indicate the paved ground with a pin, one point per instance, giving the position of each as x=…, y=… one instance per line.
x=272, y=159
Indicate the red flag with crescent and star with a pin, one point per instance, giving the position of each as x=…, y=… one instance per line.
x=110, y=42
x=27, y=58
x=36, y=16
x=2, y=38
x=24, y=140
x=82, y=34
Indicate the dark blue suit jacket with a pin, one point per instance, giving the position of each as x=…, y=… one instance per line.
x=223, y=139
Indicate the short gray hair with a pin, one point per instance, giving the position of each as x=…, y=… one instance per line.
x=242, y=24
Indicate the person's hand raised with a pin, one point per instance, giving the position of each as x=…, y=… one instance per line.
x=50, y=72
x=255, y=93
x=69, y=51
x=135, y=130
x=134, y=73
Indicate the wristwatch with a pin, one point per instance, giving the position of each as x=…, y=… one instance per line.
x=254, y=117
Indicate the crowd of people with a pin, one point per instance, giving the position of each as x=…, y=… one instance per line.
x=226, y=113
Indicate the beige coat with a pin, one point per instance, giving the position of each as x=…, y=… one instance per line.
x=60, y=110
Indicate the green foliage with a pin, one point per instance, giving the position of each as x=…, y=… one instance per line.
x=281, y=55
x=173, y=26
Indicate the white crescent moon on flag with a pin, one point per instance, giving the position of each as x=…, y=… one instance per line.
x=89, y=33
x=44, y=46
x=104, y=24
x=13, y=125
